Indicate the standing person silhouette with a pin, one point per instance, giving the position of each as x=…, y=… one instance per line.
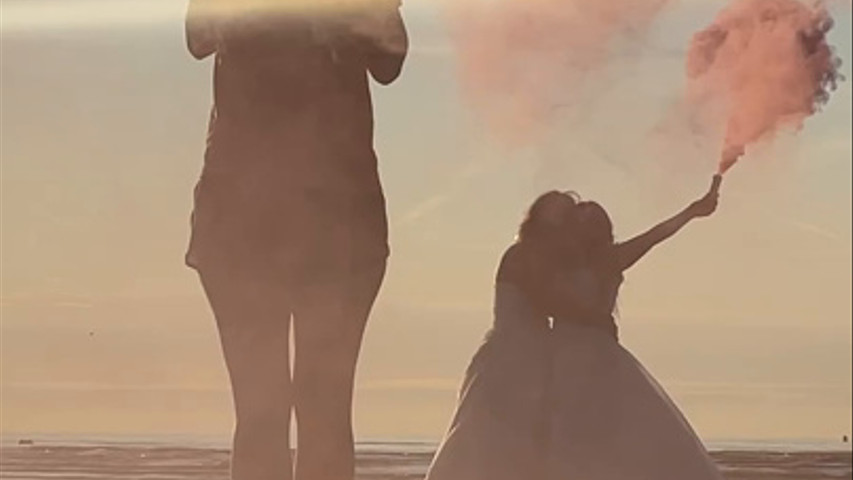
x=289, y=224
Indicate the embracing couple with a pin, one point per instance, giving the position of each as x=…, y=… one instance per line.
x=289, y=238
x=551, y=394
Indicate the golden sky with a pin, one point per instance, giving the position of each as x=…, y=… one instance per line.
x=745, y=317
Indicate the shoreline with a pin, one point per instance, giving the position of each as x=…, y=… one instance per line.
x=375, y=445
x=375, y=461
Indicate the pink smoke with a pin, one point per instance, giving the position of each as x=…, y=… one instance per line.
x=767, y=65
x=520, y=61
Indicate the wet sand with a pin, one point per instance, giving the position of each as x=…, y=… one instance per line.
x=123, y=462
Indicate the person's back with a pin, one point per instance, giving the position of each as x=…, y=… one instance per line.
x=278, y=80
x=290, y=164
x=513, y=307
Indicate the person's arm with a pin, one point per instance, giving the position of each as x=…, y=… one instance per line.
x=200, y=28
x=629, y=252
x=386, y=41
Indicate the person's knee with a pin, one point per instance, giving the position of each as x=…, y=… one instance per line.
x=264, y=412
x=326, y=375
x=326, y=401
x=324, y=397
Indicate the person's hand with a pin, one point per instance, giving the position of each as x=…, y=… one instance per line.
x=706, y=205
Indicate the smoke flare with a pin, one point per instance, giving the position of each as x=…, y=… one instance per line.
x=767, y=65
x=520, y=61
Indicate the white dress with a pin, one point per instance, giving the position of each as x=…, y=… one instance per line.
x=610, y=419
x=499, y=429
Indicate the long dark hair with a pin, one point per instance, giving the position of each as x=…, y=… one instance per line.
x=532, y=228
x=600, y=244
x=551, y=242
x=597, y=226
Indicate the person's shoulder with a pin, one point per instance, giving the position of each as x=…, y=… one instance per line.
x=512, y=262
x=513, y=253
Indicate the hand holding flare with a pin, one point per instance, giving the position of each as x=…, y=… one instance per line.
x=706, y=205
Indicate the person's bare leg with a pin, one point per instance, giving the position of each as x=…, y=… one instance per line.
x=254, y=325
x=329, y=325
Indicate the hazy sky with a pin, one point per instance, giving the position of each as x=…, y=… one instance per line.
x=745, y=317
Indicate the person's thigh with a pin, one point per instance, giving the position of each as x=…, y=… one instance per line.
x=253, y=319
x=329, y=325
x=330, y=318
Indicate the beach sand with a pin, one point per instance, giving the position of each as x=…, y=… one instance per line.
x=123, y=462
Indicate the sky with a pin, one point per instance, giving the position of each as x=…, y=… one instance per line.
x=745, y=317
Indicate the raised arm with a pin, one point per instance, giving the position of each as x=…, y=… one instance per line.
x=200, y=28
x=629, y=252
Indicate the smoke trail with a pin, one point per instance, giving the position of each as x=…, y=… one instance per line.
x=521, y=59
x=764, y=65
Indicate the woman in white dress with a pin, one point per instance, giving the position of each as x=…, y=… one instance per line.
x=499, y=429
x=610, y=419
